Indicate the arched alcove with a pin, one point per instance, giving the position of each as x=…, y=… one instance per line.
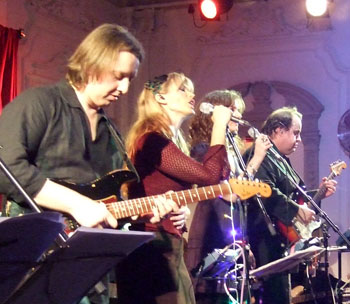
x=260, y=97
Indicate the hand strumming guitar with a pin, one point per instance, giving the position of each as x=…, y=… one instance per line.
x=306, y=214
x=84, y=210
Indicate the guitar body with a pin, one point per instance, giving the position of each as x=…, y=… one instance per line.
x=104, y=188
x=298, y=229
x=289, y=232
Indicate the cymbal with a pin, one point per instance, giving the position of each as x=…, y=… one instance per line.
x=344, y=132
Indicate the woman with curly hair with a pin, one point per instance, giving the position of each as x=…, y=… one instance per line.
x=156, y=272
x=211, y=225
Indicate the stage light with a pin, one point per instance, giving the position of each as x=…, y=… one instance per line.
x=208, y=9
x=212, y=9
x=316, y=8
x=234, y=233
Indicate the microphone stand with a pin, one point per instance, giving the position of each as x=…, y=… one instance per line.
x=267, y=218
x=244, y=213
x=62, y=237
x=319, y=211
x=324, y=216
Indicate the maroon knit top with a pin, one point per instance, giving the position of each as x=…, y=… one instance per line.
x=162, y=167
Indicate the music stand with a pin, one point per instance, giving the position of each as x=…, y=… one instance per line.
x=70, y=272
x=286, y=263
x=23, y=240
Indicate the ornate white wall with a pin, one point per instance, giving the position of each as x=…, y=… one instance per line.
x=270, y=42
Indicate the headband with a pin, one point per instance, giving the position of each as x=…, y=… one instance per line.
x=155, y=84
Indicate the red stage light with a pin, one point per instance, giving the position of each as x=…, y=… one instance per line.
x=212, y=9
x=208, y=9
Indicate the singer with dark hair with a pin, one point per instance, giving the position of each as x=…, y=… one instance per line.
x=212, y=223
x=283, y=127
x=156, y=272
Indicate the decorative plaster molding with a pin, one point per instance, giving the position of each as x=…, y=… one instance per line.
x=143, y=22
x=305, y=101
x=36, y=79
x=263, y=20
x=57, y=61
x=73, y=11
x=48, y=6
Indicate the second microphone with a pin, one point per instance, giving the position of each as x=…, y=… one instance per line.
x=208, y=108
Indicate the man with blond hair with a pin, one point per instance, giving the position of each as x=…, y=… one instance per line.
x=60, y=132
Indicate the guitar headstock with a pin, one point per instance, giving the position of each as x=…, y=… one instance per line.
x=337, y=166
x=246, y=189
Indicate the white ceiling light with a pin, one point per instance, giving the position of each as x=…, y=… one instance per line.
x=316, y=8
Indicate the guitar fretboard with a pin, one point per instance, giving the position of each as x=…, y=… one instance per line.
x=123, y=209
x=322, y=191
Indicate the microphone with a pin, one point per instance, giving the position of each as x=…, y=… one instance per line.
x=208, y=108
x=254, y=133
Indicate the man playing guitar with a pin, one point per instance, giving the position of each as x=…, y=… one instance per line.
x=283, y=126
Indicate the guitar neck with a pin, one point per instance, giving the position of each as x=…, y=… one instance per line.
x=322, y=191
x=123, y=209
x=107, y=190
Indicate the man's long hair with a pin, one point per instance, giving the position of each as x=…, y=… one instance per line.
x=98, y=52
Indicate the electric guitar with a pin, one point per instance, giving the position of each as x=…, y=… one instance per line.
x=298, y=229
x=107, y=191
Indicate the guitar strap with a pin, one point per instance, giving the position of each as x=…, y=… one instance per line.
x=291, y=171
x=287, y=170
x=277, y=164
x=121, y=147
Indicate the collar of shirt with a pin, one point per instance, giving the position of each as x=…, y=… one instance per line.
x=175, y=137
x=68, y=94
x=70, y=97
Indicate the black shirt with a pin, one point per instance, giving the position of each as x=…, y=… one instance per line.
x=280, y=205
x=45, y=134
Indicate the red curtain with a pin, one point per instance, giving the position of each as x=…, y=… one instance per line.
x=8, y=65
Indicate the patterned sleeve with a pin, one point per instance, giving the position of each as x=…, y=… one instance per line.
x=159, y=152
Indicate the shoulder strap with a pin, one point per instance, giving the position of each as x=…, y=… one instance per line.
x=121, y=147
